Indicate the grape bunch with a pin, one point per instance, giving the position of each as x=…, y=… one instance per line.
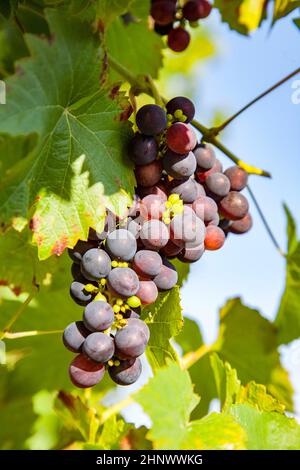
x=170, y=19
x=184, y=205
x=112, y=280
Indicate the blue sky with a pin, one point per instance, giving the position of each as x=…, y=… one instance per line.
x=267, y=136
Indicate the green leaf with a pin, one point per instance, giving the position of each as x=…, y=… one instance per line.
x=242, y=16
x=136, y=439
x=267, y=431
x=109, y=10
x=114, y=429
x=78, y=167
x=135, y=48
x=230, y=390
x=8, y=7
x=283, y=8
x=190, y=339
x=255, y=358
x=17, y=251
x=169, y=399
x=17, y=418
x=288, y=317
x=165, y=322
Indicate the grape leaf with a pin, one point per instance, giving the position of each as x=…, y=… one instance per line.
x=242, y=16
x=134, y=47
x=17, y=418
x=267, y=431
x=190, y=339
x=170, y=415
x=182, y=269
x=78, y=167
x=109, y=10
x=283, y=8
x=288, y=318
x=17, y=251
x=165, y=321
x=230, y=390
x=256, y=358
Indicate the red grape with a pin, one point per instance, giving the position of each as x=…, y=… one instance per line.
x=238, y=177
x=149, y=175
x=241, y=226
x=234, y=206
x=214, y=238
x=84, y=372
x=181, y=138
x=178, y=39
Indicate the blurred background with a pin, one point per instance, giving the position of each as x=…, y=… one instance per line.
x=222, y=72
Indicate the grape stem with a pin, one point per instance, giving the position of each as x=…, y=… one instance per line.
x=216, y=130
x=145, y=84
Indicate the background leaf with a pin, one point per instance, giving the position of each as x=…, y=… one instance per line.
x=243, y=16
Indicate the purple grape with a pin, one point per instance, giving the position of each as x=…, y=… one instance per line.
x=123, y=282
x=143, y=149
x=80, y=249
x=98, y=316
x=191, y=254
x=121, y=244
x=78, y=293
x=147, y=263
x=238, y=178
x=167, y=278
x=234, y=206
x=154, y=234
x=187, y=190
x=130, y=341
x=205, y=156
x=217, y=184
x=74, y=336
x=147, y=292
x=151, y=119
x=127, y=372
x=96, y=264
x=99, y=347
x=182, y=104
x=84, y=372
x=179, y=166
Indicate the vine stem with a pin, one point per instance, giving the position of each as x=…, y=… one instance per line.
x=18, y=313
x=112, y=410
x=265, y=222
x=24, y=334
x=192, y=357
x=217, y=130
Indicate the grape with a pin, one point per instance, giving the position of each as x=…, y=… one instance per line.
x=171, y=249
x=225, y=225
x=234, y=206
x=74, y=336
x=148, y=175
x=181, y=138
x=98, y=316
x=134, y=209
x=127, y=372
x=123, y=282
x=143, y=149
x=205, y=156
x=178, y=39
x=163, y=30
x=137, y=323
x=163, y=12
x=78, y=294
x=195, y=10
x=205, y=208
x=99, y=347
x=191, y=255
x=159, y=190
x=152, y=207
x=214, y=238
x=238, y=178
x=134, y=226
x=179, y=166
x=79, y=249
x=130, y=341
x=187, y=227
x=154, y=234
x=167, y=278
x=121, y=244
x=151, y=119
x=96, y=264
x=217, y=184
x=200, y=189
x=130, y=314
x=187, y=190
x=241, y=226
x=214, y=221
x=202, y=175
x=85, y=373
x=182, y=104
x=147, y=292
x=147, y=263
